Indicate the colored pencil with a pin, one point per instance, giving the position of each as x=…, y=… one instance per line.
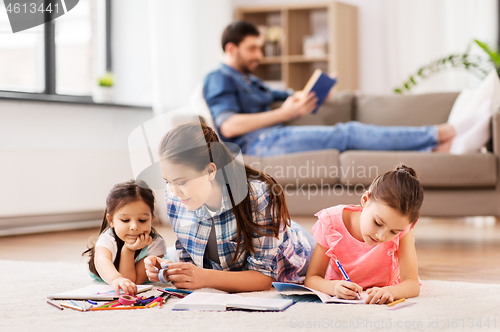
x=55, y=305
x=171, y=293
x=396, y=302
x=152, y=304
x=178, y=290
x=117, y=308
x=70, y=306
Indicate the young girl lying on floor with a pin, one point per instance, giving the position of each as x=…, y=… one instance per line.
x=373, y=242
x=126, y=238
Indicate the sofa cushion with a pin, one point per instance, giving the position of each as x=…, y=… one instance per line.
x=338, y=108
x=404, y=110
x=296, y=169
x=434, y=170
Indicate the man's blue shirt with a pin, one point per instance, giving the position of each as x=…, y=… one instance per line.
x=228, y=91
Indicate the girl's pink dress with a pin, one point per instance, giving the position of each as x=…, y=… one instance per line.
x=367, y=266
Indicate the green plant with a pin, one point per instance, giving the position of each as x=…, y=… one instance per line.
x=106, y=80
x=475, y=64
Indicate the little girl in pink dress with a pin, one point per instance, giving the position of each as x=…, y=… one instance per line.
x=373, y=242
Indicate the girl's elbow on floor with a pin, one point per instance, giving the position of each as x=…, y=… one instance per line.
x=415, y=289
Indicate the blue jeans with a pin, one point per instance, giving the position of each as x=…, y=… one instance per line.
x=312, y=243
x=343, y=136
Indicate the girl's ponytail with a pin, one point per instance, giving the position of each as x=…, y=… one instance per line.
x=401, y=190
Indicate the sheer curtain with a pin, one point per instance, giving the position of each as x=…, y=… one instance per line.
x=420, y=31
x=185, y=45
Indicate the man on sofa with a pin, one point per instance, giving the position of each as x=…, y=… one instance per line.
x=240, y=106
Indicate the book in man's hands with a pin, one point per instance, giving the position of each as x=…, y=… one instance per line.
x=294, y=289
x=222, y=302
x=95, y=292
x=321, y=84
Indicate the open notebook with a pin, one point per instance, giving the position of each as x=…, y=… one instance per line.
x=95, y=292
x=222, y=302
x=294, y=289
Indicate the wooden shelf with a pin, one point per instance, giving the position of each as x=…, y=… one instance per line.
x=271, y=59
x=335, y=22
x=303, y=58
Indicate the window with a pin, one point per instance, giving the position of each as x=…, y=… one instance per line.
x=59, y=58
x=21, y=57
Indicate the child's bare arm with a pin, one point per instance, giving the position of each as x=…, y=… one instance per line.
x=408, y=267
x=128, y=267
x=127, y=264
x=140, y=272
x=103, y=261
x=315, y=277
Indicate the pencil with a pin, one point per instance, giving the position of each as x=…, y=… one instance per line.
x=171, y=293
x=117, y=308
x=76, y=304
x=152, y=305
x=396, y=302
x=70, y=306
x=177, y=290
x=55, y=305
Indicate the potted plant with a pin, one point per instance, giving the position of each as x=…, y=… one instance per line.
x=103, y=92
x=475, y=64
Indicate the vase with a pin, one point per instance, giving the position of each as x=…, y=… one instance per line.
x=102, y=94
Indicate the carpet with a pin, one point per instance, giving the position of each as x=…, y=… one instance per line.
x=440, y=306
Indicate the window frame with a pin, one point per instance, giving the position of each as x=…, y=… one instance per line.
x=49, y=91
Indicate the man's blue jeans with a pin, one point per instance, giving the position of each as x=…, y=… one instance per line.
x=343, y=136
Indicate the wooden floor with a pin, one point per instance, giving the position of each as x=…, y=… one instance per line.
x=448, y=249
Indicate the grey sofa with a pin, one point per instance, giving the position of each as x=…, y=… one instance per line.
x=464, y=185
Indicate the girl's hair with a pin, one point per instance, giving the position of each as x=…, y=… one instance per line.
x=120, y=195
x=195, y=146
x=401, y=190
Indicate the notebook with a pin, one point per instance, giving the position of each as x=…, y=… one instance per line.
x=294, y=289
x=222, y=302
x=321, y=84
x=95, y=292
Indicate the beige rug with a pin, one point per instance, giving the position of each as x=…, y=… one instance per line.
x=441, y=306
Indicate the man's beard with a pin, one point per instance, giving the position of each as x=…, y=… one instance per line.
x=243, y=65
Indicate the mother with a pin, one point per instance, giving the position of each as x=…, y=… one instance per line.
x=234, y=233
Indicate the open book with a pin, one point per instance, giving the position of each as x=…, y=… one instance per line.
x=321, y=84
x=294, y=289
x=95, y=292
x=222, y=302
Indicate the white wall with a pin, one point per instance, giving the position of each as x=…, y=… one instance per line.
x=58, y=158
x=185, y=46
x=384, y=66
x=131, y=52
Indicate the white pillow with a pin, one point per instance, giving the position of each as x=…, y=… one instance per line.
x=471, y=99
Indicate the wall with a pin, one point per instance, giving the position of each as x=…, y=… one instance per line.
x=131, y=52
x=432, y=28
x=61, y=158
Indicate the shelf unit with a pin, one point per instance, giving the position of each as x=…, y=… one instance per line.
x=336, y=22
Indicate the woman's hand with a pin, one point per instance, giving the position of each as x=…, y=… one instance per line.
x=382, y=295
x=347, y=290
x=141, y=241
x=153, y=266
x=126, y=284
x=186, y=275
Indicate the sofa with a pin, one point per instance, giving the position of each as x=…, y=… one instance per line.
x=454, y=185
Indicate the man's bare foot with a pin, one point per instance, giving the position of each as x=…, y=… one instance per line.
x=443, y=147
x=446, y=132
